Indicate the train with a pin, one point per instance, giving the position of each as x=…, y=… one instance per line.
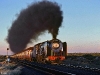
x=50, y=51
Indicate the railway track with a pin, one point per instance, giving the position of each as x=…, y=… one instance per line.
x=78, y=70
x=44, y=70
x=73, y=69
x=49, y=69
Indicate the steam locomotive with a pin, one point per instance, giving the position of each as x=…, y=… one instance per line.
x=50, y=51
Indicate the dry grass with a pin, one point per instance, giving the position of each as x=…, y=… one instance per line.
x=87, y=60
x=10, y=69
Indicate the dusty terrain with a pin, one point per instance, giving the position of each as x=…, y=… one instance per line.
x=88, y=60
x=9, y=69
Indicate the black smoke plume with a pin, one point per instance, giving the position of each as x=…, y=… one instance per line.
x=32, y=22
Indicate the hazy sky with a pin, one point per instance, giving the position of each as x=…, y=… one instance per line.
x=80, y=26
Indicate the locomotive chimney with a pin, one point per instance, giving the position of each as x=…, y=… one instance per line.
x=54, y=38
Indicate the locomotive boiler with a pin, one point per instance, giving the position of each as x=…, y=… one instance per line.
x=50, y=51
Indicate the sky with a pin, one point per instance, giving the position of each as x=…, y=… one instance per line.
x=80, y=26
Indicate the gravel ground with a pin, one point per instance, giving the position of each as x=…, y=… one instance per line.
x=80, y=61
x=10, y=69
x=14, y=69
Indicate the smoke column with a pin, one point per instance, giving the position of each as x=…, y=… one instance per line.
x=32, y=22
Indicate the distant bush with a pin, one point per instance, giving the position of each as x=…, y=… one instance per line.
x=2, y=58
x=89, y=56
x=72, y=57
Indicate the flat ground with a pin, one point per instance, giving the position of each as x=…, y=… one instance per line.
x=83, y=59
x=80, y=59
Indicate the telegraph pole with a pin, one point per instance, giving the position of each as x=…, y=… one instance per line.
x=7, y=56
x=7, y=52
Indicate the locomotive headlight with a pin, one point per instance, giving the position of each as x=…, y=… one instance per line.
x=55, y=45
